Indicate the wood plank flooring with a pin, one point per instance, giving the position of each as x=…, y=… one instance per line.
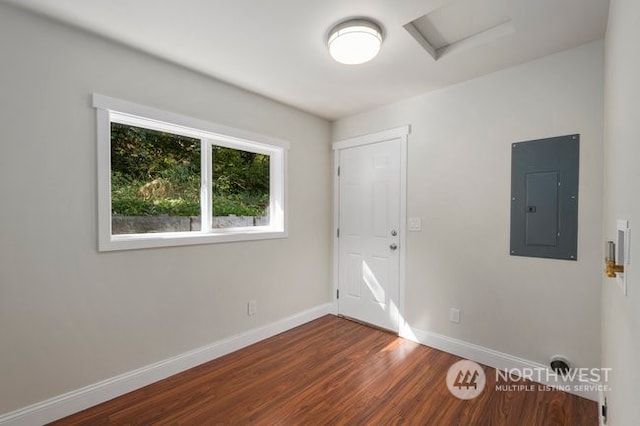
x=332, y=371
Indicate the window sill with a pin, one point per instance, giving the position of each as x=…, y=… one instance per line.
x=171, y=239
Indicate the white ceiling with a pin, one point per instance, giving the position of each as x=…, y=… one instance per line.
x=277, y=47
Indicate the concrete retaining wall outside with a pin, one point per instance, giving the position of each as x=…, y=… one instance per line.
x=147, y=224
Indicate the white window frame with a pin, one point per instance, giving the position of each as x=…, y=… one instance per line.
x=110, y=110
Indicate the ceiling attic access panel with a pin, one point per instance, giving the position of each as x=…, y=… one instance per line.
x=544, y=198
x=459, y=25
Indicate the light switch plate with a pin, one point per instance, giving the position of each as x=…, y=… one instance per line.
x=414, y=224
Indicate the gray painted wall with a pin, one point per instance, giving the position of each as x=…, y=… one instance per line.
x=459, y=160
x=621, y=314
x=70, y=316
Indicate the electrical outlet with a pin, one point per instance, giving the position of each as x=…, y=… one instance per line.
x=251, y=307
x=454, y=315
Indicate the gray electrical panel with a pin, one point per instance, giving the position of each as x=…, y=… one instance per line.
x=544, y=197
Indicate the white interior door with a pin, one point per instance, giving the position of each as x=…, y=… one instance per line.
x=369, y=233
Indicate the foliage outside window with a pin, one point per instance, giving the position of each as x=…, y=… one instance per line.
x=153, y=174
x=166, y=183
x=240, y=183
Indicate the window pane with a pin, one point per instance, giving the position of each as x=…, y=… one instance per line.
x=155, y=181
x=240, y=188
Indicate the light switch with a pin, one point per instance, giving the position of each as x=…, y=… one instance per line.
x=415, y=224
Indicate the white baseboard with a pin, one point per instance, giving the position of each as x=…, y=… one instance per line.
x=80, y=399
x=495, y=359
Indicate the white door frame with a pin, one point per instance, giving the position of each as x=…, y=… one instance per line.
x=401, y=133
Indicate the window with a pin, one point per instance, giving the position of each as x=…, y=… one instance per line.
x=166, y=179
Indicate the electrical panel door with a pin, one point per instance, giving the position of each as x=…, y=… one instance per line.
x=544, y=197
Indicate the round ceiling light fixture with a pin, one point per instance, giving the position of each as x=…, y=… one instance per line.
x=355, y=41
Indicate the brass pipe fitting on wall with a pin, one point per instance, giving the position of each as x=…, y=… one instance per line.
x=612, y=269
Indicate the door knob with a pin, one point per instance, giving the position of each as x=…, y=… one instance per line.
x=394, y=233
x=393, y=246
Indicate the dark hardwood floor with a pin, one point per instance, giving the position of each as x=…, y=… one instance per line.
x=332, y=371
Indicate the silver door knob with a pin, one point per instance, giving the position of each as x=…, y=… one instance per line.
x=393, y=246
x=394, y=233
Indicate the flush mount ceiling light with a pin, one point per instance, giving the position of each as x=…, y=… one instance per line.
x=355, y=41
